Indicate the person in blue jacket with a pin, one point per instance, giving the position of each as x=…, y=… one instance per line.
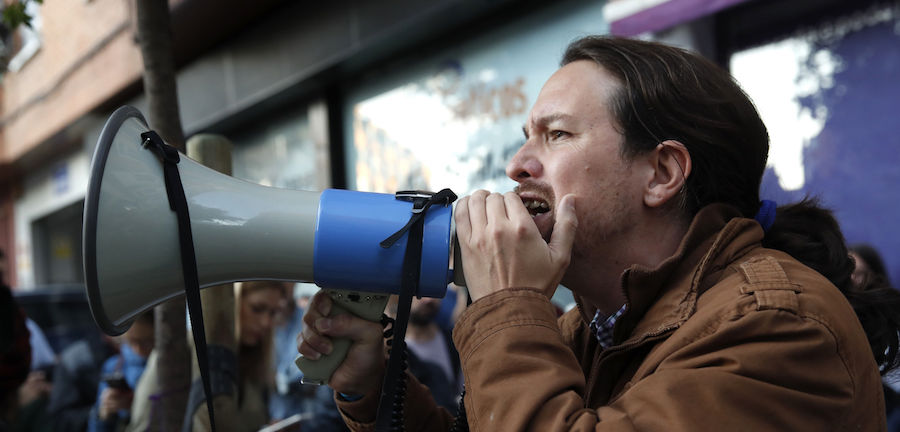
x=120, y=374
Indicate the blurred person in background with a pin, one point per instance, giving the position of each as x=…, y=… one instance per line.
x=62, y=389
x=870, y=266
x=59, y=392
x=257, y=304
x=119, y=376
x=34, y=393
x=75, y=381
x=432, y=344
x=870, y=274
x=15, y=359
x=289, y=396
x=43, y=358
x=431, y=356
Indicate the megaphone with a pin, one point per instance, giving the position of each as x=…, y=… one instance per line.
x=241, y=231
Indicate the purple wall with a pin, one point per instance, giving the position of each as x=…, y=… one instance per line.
x=853, y=163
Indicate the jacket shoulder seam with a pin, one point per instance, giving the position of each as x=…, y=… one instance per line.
x=840, y=352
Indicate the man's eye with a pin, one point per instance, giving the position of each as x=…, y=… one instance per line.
x=558, y=134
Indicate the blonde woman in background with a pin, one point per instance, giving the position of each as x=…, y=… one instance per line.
x=256, y=306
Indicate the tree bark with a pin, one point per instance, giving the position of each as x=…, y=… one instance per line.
x=174, y=372
x=155, y=37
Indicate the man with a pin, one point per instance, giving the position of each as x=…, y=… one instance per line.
x=639, y=190
x=432, y=358
x=430, y=342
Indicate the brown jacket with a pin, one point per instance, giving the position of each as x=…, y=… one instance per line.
x=723, y=336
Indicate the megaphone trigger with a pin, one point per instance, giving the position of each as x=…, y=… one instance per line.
x=368, y=306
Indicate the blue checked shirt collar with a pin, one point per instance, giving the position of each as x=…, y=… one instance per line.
x=603, y=327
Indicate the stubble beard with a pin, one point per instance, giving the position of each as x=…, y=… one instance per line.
x=596, y=242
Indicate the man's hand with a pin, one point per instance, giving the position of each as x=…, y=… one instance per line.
x=112, y=400
x=363, y=369
x=502, y=247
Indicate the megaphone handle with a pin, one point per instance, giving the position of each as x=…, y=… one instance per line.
x=368, y=306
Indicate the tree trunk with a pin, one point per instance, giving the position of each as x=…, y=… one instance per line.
x=174, y=371
x=155, y=36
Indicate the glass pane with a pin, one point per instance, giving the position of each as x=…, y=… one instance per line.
x=278, y=152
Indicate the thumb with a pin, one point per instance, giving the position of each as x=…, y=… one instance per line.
x=564, y=230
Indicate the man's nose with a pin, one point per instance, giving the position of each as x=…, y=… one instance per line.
x=524, y=164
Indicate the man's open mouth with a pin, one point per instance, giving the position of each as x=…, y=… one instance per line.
x=535, y=206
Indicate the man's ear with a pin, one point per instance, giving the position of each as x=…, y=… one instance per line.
x=671, y=165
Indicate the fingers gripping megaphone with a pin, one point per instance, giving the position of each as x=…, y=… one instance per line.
x=242, y=231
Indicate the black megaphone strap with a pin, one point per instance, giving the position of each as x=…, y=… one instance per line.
x=393, y=389
x=178, y=203
x=421, y=202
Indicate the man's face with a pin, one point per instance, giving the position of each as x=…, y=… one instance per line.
x=424, y=310
x=573, y=146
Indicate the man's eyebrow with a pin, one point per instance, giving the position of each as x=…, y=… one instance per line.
x=543, y=121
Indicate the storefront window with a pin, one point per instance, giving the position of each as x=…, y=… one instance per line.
x=279, y=152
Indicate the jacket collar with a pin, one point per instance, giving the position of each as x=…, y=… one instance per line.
x=661, y=299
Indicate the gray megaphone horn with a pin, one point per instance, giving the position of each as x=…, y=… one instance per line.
x=242, y=231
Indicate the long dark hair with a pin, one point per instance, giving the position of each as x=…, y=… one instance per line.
x=811, y=234
x=671, y=93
